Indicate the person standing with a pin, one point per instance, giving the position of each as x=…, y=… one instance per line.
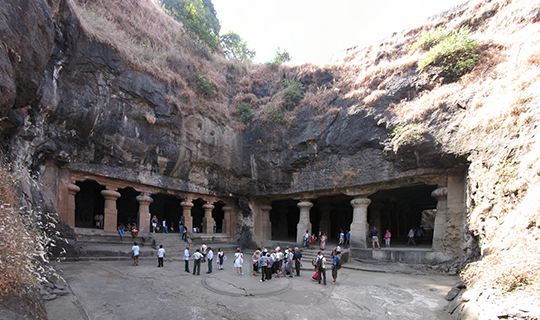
x=238, y=261
x=181, y=228
x=375, y=237
x=312, y=241
x=204, y=248
x=164, y=223
x=306, y=238
x=186, y=259
x=348, y=239
x=160, y=255
x=323, y=241
x=264, y=264
x=255, y=258
x=197, y=257
x=335, y=262
x=297, y=260
x=341, y=237
x=221, y=259
x=184, y=234
x=321, y=265
x=210, y=257
x=154, y=223
x=387, y=237
x=135, y=253
x=121, y=230
x=411, y=237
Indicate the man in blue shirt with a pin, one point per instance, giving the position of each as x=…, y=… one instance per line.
x=335, y=262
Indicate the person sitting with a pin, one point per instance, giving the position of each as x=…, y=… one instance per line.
x=134, y=231
x=121, y=230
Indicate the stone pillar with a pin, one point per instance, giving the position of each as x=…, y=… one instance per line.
x=226, y=225
x=144, y=212
x=325, y=224
x=208, y=221
x=110, y=209
x=358, y=226
x=440, y=218
x=303, y=223
x=266, y=224
x=70, y=217
x=186, y=215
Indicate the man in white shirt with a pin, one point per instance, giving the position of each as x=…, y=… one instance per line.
x=197, y=257
x=186, y=258
x=209, y=256
x=306, y=238
x=160, y=255
x=135, y=253
x=321, y=265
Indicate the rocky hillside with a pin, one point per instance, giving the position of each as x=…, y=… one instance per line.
x=87, y=89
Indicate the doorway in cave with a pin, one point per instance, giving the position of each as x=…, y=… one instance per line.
x=89, y=205
x=166, y=206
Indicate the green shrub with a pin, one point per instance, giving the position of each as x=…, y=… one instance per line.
x=430, y=39
x=279, y=58
x=456, y=55
x=273, y=114
x=201, y=85
x=245, y=112
x=292, y=94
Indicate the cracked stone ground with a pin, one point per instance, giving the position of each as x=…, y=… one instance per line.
x=117, y=290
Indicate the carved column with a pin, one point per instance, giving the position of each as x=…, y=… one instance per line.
x=303, y=223
x=358, y=226
x=144, y=212
x=324, y=225
x=440, y=218
x=208, y=221
x=188, y=219
x=226, y=225
x=266, y=224
x=70, y=217
x=110, y=209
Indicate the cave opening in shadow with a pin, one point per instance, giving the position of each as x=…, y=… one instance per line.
x=166, y=207
x=402, y=209
x=89, y=205
x=127, y=206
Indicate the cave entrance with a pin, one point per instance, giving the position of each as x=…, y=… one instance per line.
x=330, y=215
x=127, y=206
x=284, y=216
x=89, y=205
x=166, y=206
x=401, y=209
x=197, y=212
x=218, y=215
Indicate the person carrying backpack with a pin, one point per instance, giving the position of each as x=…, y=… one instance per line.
x=321, y=266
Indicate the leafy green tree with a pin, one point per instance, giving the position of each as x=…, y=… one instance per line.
x=235, y=47
x=199, y=19
x=280, y=57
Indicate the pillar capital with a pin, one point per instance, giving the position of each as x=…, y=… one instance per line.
x=73, y=188
x=144, y=199
x=360, y=202
x=208, y=206
x=304, y=204
x=186, y=204
x=440, y=194
x=110, y=194
x=266, y=207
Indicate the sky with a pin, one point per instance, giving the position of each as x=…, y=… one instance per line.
x=314, y=30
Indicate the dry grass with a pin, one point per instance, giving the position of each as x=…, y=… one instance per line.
x=17, y=249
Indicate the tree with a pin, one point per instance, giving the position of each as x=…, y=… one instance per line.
x=199, y=19
x=279, y=58
x=235, y=47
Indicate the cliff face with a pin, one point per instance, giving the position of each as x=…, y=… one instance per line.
x=75, y=102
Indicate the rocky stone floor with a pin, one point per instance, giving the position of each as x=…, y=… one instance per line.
x=117, y=290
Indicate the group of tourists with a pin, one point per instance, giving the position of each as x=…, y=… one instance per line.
x=415, y=236
x=201, y=255
x=310, y=240
x=320, y=265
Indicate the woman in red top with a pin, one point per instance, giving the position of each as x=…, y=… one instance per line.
x=313, y=239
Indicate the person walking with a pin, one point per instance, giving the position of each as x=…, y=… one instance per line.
x=210, y=257
x=135, y=253
x=197, y=258
x=186, y=259
x=160, y=256
x=297, y=260
x=341, y=237
x=220, y=259
x=387, y=237
x=264, y=264
x=335, y=263
x=321, y=265
x=238, y=261
x=348, y=239
x=164, y=223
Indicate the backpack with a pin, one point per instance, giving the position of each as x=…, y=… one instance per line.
x=314, y=262
x=338, y=264
x=319, y=263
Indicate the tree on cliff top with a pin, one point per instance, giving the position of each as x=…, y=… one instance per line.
x=235, y=47
x=199, y=19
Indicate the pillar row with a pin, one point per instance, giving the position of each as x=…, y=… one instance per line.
x=72, y=191
x=144, y=212
x=440, y=217
x=188, y=219
x=110, y=209
x=208, y=221
x=303, y=223
x=358, y=226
